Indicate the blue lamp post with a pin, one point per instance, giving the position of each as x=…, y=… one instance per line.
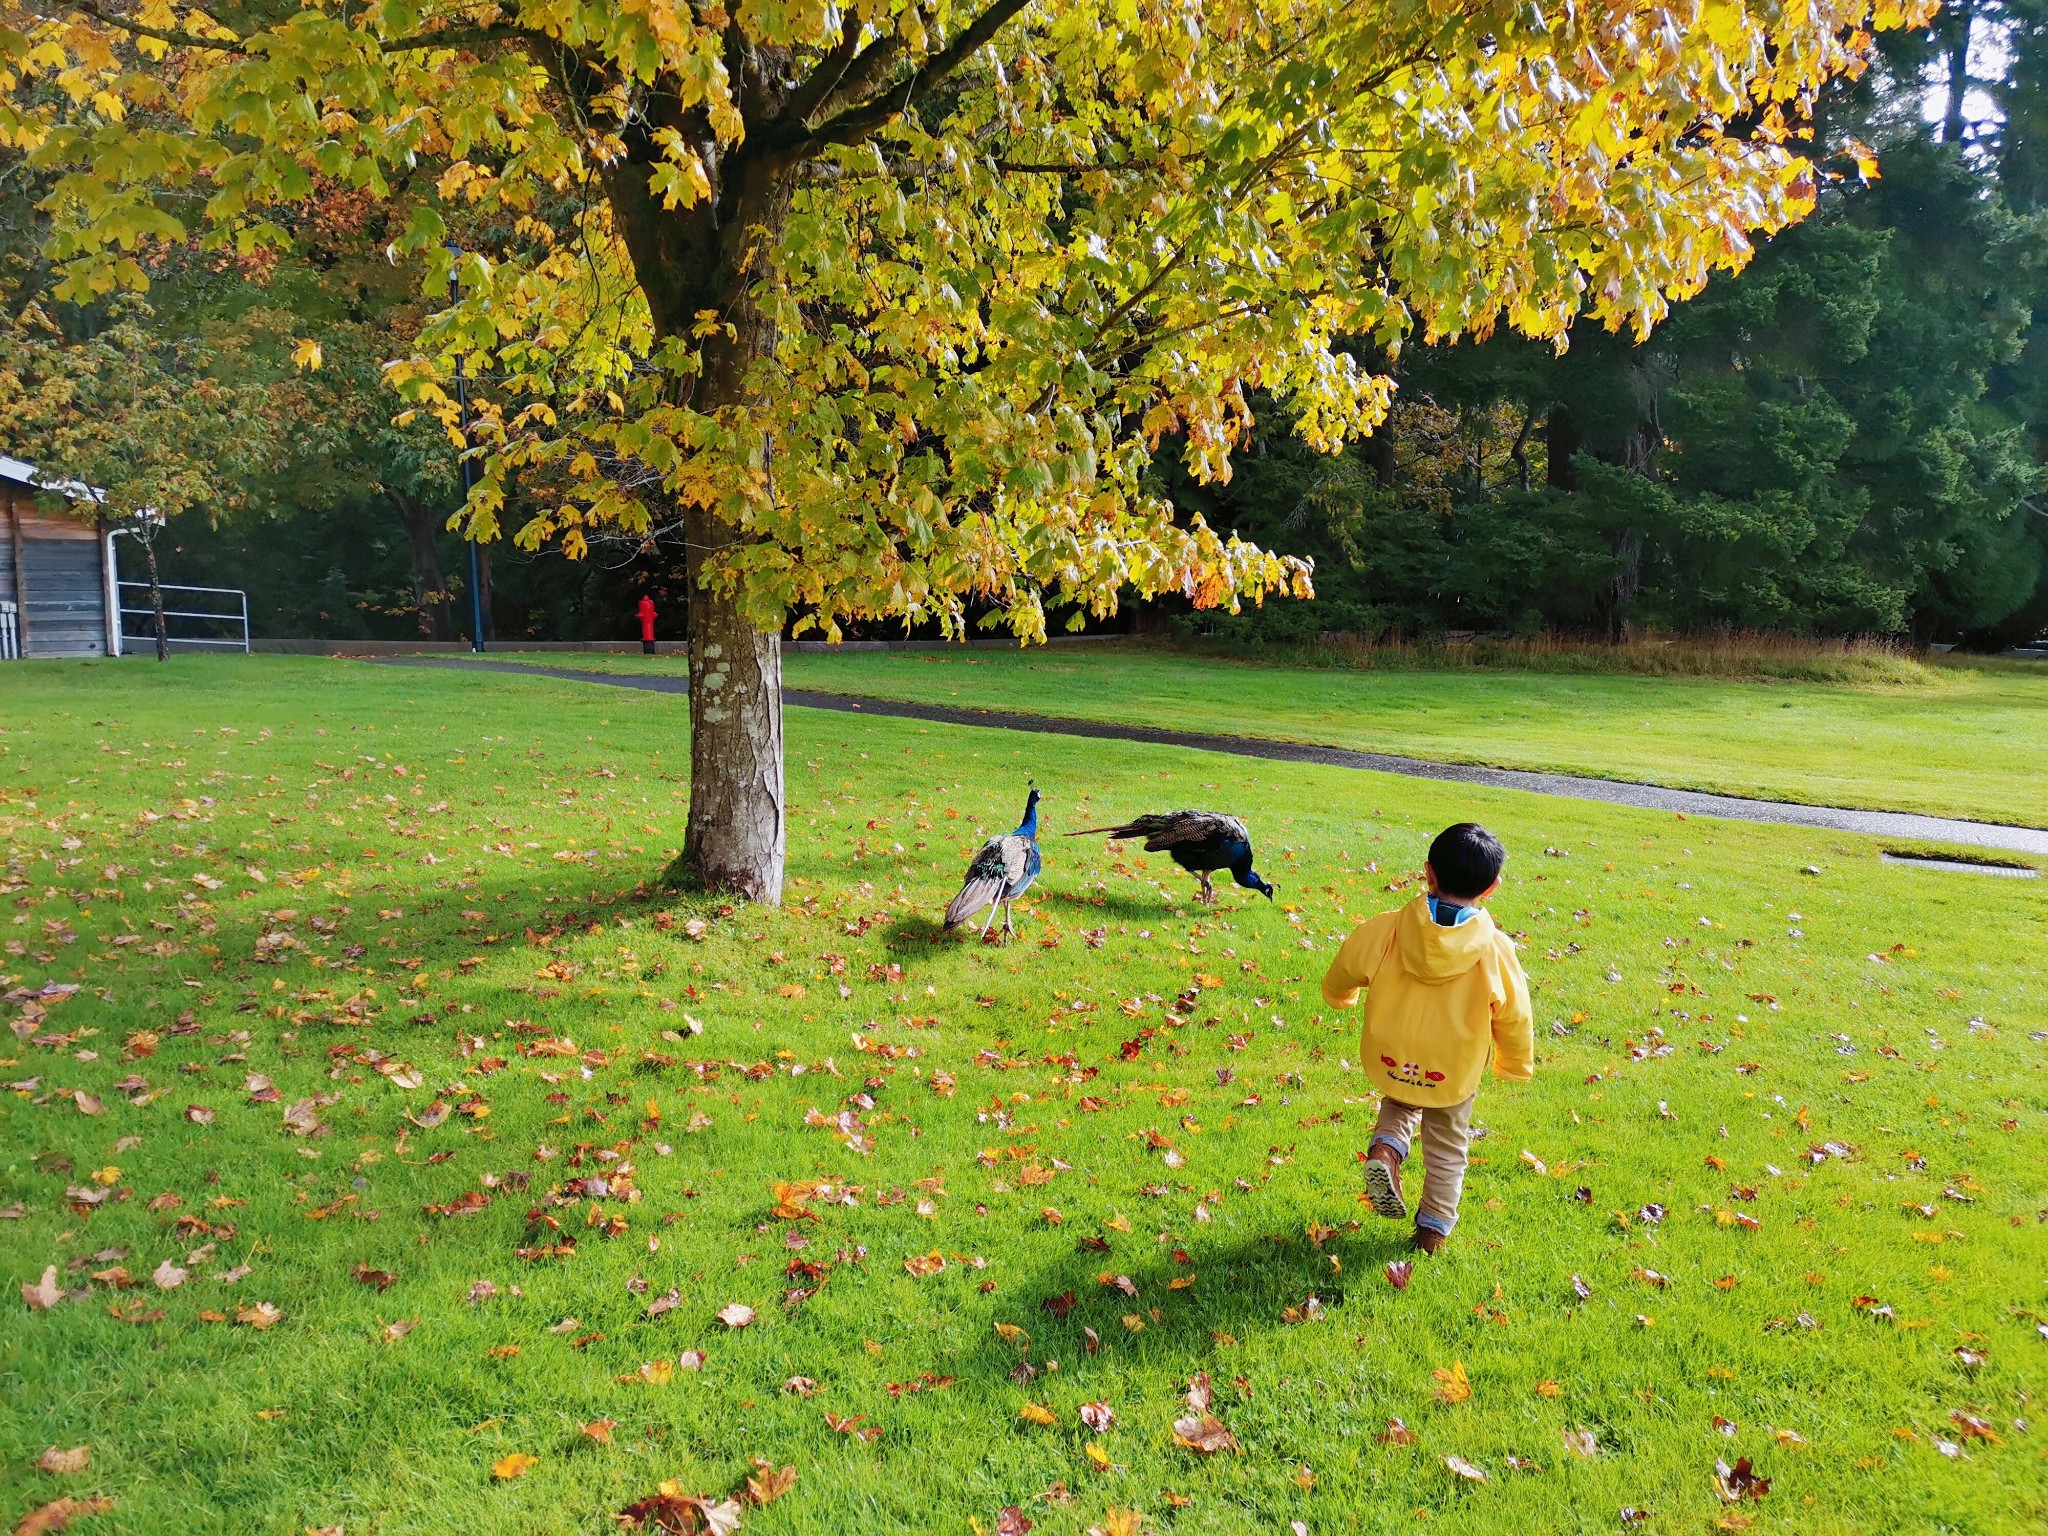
x=476, y=576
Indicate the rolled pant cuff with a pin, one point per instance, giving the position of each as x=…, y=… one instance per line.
x=1399, y=1146
x=1435, y=1223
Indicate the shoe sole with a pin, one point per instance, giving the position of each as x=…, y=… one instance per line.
x=1383, y=1190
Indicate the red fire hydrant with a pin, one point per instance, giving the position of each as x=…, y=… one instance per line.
x=647, y=625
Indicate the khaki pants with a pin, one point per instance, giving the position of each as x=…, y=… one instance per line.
x=1446, y=1142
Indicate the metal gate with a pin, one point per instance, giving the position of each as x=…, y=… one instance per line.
x=224, y=626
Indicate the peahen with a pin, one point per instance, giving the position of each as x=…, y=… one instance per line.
x=1000, y=873
x=1200, y=842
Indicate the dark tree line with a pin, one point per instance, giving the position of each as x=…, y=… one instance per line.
x=1847, y=437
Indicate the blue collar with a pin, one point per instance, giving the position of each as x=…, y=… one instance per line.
x=1446, y=913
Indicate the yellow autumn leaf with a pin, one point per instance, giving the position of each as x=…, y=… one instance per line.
x=306, y=356
x=1452, y=1387
x=515, y=1465
x=1037, y=1413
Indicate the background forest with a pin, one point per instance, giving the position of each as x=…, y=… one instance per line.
x=1850, y=437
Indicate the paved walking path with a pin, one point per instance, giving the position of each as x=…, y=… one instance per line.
x=1896, y=825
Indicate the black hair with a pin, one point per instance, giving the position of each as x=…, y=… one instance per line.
x=1467, y=860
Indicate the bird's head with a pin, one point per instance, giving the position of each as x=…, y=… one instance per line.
x=1252, y=880
x=1028, y=827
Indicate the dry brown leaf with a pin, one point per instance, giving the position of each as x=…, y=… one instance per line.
x=168, y=1276
x=768, y=1484
x=1463, y=1468
x=75, y=1460
x=735, y=1314
x=1204, y=1433
x=45, y=1293
x=58, y=1514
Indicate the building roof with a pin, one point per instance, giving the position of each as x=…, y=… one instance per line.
x=21, y=472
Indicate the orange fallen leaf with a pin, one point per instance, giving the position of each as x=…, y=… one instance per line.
x=1548, y=1388
x=600, y=1430
x=58, y=1514
x=1452, y=1387
x=518, y=1464
x=767, y=1485
x=1037, y=1413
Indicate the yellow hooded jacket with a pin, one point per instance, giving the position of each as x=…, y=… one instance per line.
x=1438, y=1002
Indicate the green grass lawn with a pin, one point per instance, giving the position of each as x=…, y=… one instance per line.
x=356, y=945
x=1968, y=743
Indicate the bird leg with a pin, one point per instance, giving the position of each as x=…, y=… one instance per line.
x=1008, y=926
x=1208, y=888
x=991, y=919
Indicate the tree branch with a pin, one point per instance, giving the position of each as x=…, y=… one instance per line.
x=864, y=118
x=238, y=44
x=171, y=35
x=827, y=75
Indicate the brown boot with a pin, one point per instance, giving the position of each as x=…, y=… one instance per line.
x=1428, y=1239
x=1383, y=1182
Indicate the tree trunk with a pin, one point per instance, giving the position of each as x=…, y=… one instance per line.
x=156, y=598
x=1956, y=25
x=735, y=839
x=1561, y=437
x=429, y=582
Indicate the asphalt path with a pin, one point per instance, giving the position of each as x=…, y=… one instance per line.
x=1897, y=826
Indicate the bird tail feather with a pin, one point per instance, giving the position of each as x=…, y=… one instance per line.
x=1098, y=831
x=974, y=895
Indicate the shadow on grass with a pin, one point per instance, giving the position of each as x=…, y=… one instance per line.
x=1239, y=1289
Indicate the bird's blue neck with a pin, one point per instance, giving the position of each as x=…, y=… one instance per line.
x=1028, y=827
x=1245, y=876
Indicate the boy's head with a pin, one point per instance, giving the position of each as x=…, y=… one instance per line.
x=1465, y=861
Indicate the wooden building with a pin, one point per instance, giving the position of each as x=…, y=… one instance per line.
x=56, y=570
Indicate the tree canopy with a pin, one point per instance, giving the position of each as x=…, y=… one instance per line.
x=889, y=306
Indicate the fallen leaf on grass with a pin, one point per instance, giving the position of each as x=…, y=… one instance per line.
x=802, y=1386
x=691, y=1360
x=260, y=1316
x=1012, y=1521
x=1581, y=1442
x=1460, y=1467
x=1037, y=1413
x=75, y=1460
x=44, y=1294
x=853, y=1426
x=923, y=1264
x=600, y=1430
x=671, y=1510
x=735, y=1314
x=767, y=1484
x=168, y=1276
x=382, y=1279
x=518, y=1464
x=1205, y=1434
x=1739, y=1482
x=653, y=1373
x=1119, y=1522
x=1399, y=1272
x=1099, y=1417
x=58, y=1514
x=393, y=1332
x=1452, y=1387
x=1547, y=1388
x=1396, y=1433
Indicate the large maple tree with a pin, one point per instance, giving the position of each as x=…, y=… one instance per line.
x=887, y=305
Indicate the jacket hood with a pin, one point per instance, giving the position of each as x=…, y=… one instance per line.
x=1431, y=952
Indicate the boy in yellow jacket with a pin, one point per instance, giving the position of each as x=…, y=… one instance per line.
x=1443, y=992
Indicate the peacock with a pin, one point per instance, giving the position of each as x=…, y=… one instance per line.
x=1000, y=873
x=1200, y=842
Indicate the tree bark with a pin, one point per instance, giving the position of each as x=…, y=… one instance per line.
x=156, y=596
x=735, y=838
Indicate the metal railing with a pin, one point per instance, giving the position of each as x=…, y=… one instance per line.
x=10, y=632
x=236, y=619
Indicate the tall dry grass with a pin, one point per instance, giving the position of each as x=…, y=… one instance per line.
x=1755, y=656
